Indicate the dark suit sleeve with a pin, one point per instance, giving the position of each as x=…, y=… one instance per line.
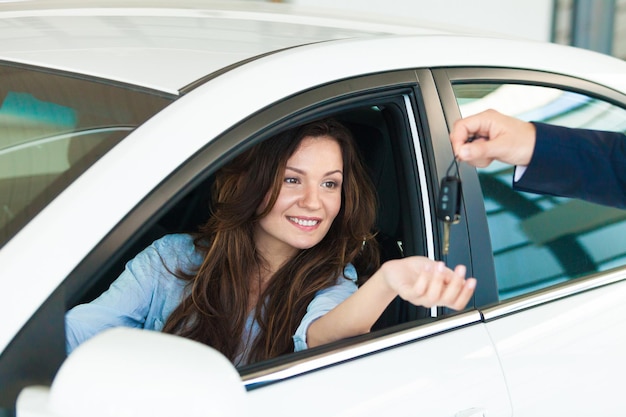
x=577, y=163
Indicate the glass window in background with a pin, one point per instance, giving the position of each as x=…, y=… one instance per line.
x=52, y=128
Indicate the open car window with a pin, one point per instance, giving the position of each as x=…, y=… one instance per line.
x=384, y=143
x=52, y=128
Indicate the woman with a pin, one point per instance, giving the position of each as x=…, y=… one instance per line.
x=274, y=269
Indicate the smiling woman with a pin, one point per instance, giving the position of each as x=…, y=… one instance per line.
x=291, y=217
x=244, y=283
x=279, y=276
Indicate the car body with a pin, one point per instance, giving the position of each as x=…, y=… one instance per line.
x=116, y=115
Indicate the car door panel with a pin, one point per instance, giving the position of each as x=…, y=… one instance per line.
x=558, y=355
x=442, y=375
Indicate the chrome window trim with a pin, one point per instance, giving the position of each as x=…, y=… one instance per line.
x=554, y=293
x=421, y=168
x=337, y=356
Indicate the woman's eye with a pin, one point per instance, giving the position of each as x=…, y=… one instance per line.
x=291, y=180
x=330, y=184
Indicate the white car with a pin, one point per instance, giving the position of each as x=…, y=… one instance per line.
x=113, y=118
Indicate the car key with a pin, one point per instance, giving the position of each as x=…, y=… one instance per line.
x=449, y=203
x=449, y=206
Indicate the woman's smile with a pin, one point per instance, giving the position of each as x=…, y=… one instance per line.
x=304, y=222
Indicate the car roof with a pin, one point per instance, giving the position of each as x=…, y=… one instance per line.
x=168, y=45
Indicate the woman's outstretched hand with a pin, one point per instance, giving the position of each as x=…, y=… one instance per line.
x=422, y=281
x=417, y=279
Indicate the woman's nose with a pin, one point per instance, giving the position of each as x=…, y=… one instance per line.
x=310, y=198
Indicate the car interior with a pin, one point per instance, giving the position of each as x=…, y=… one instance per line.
x=375, y=131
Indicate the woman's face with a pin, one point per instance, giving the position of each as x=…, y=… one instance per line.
x=308, y=202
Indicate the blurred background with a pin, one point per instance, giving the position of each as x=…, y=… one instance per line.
x=599, y=25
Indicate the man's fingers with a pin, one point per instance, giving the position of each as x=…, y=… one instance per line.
x=476, y=153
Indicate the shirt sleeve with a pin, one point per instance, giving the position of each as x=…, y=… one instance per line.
x=577, y=163
x=324, y=301
x=145, y=282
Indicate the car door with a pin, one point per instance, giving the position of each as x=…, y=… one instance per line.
x=560, y=263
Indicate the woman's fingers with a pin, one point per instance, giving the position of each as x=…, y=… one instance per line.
x=437, y=283
x=428, y=283
x=463, y=295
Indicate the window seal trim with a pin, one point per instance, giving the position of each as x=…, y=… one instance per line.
x=461, y=75
x=336, y=356
x=424, y=189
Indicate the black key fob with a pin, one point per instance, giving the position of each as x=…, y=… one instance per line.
x=449, y=201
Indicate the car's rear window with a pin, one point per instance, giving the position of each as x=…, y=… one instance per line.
x=52, y=128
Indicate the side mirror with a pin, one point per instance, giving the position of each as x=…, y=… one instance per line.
x=131, y=372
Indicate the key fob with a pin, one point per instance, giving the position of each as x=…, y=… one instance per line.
x=449, y=200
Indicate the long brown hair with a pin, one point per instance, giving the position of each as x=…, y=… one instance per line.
x=215, y=311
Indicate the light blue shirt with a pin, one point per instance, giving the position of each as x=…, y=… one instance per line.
x=146, y=293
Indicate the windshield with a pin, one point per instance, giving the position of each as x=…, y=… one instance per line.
x=52, y=128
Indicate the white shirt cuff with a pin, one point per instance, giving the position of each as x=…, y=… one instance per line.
x=519, y=172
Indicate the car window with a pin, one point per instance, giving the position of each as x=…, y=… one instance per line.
x=385, y=143
x=565, y=238
x=384, y=147
x=52, y=128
